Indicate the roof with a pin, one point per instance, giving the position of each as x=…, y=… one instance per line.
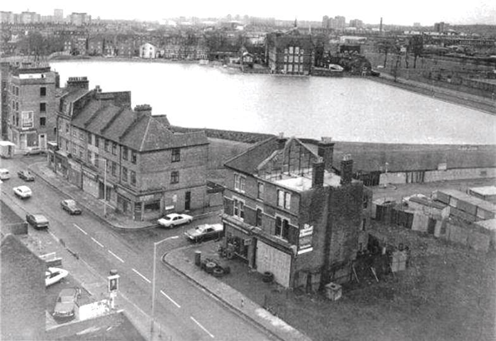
x=487, y=190
x=470, y=199
x=248, y=161
x=75, y=95
x=138, y=130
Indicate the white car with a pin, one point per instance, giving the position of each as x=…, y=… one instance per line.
x=23, y=192
x=54, y=275
x=204, y=232
x=174, y=219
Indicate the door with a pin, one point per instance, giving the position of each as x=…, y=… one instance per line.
x=42, y=141
x=275, y=261
x=187, y=201
x=431, y=227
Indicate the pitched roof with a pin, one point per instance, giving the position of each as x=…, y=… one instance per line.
x=249, y=160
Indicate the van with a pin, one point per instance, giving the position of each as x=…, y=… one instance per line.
x=4, y=174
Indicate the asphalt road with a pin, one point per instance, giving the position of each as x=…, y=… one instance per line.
x=183, y=311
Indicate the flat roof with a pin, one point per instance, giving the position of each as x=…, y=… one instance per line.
x=301, y=183
x=486, y=190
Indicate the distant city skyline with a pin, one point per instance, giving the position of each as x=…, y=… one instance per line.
x=393, y=12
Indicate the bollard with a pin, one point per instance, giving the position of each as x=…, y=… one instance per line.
x=198, y=258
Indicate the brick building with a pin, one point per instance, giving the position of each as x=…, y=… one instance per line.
x=150, y=170
x=290, y=53
x=31, y=100
x=23, y=293
x=286, y=211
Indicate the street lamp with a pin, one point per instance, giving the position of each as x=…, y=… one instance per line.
x=153, y=280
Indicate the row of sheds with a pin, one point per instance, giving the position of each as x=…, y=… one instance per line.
x=448, y=214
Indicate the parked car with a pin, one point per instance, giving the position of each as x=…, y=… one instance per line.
x=174, y=219
x=23, y=192
x=38, y=221
x=54, y=275
x=67, y=303
x=70, y=206
x=4, y=174
x=34, y=151
x=25, y=175
x=204, y=232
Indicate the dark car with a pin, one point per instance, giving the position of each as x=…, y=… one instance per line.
x=70, y=206
x=67, y=304
x=38, y=221
x=26, y=175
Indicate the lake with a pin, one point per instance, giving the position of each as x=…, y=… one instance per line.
x=346, y=109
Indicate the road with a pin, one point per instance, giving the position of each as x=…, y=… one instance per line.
x=183, y=311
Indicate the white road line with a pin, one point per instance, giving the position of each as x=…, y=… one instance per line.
x=146, y=279
x=170, y=299
x=80, y=229
x=113, y=254
x=96, y=241
x=202, y=327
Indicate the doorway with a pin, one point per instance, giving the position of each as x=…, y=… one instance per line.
x=187, y=201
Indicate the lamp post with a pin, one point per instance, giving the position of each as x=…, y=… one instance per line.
x=154, y=278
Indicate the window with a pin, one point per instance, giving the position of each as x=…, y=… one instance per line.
x=124, y=153
x=260, y=191
x=283, y=199
x=133, y=178
x=364, y=224
x=124, y=174
x=114, y=148
x=174, y=177
x=282, y=228
x=17, y=105
x=239, y=208
x=17, y=91
x=133, y=157
x=42, y=107
x=97, y=141
x=239, y=183
x=89, y=138
x=258, y=218
x=89, y=156
x=43, y=91
x=81, y=135
x=365, y=201
x=67, y=128
x=176, y=155
x=42, y=121
x=114, y=168
x=106, y=145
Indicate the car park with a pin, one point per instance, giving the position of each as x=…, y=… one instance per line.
x=23, y=192
x=175, y=219
x=54, y=275
x=25, y=175
x=38, y=221
x=204, y=232
x=67, y=304
x=70, y=206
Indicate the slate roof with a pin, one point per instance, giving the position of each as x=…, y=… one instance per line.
x=139, y=131
x=76, y=94
x=248, y=161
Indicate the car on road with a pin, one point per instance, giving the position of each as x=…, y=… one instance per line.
x=38, y=221
x=70, y=206
x=204, y=232
x=4, y=174
x=25, y=175
x=67, y=304
x=54, y=275
x=34, y=151
x=23, y=192
x=175, y=219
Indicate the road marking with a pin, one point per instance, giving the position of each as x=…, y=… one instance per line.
x=96, y=241
x=202, y=327
x=113, y=254
x=80, y=229
x=170, y=299
x=146, y=279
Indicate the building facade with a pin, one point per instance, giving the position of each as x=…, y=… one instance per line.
x=289, y=53
x=287, y=212
x=31, y=99
x=129, y=158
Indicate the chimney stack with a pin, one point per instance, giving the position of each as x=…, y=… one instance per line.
x=326, y=151
x=281, y=141
x=143, y=109
x=75, y=83
x=318, y=168
x=346, y=169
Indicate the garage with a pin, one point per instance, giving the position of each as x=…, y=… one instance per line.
x=275, y=261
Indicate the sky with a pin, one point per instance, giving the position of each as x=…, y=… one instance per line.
x=394, y=12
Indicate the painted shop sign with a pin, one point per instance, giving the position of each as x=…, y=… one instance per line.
x=305, y=240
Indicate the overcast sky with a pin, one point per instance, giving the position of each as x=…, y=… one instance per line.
x=426, y=12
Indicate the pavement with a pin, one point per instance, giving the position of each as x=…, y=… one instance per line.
x=180, y=260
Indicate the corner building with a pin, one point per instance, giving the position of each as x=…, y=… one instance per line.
x=130, y=158
x=286, y=211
